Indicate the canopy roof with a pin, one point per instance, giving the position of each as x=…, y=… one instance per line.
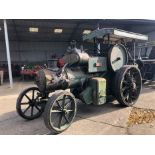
x=114, y=35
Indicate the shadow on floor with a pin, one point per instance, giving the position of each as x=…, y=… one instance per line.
x=11, y=123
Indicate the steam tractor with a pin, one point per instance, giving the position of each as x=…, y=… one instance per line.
x=105, y=73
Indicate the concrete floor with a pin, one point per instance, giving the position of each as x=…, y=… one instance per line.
x=108, y=119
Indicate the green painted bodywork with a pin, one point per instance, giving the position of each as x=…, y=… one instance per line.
x=86, y=95
x=92, y=64
x=76, y=77
x=95, y=92
x=99, y=90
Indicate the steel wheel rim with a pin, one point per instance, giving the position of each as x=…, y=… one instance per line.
x=65, y=112
x=130, y=86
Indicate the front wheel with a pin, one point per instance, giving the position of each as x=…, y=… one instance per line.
x=30, y=103
x=60, y=111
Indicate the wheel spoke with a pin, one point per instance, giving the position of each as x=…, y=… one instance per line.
x=62, y=98
x=66, y=118
x=24, y=103
x=63, y=102
x=60, y=120
x=37, y=108
x=123, y=89
x=129, y=73
x=32, y=111
x=58, y=104
x=55, y=111
x=67, y=104
x=68, y=110
x=26, y=109
x=37, y=97
x=28, y=98
x=33, y=94
x=126, y=95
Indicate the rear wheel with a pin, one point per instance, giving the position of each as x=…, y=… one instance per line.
x=128, y=84
x=60, y=111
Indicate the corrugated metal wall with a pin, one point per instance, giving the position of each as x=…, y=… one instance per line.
x=152, y=36
x=32, y=51
x=38, y=51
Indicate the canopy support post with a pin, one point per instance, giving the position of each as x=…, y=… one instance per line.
x=8, y=53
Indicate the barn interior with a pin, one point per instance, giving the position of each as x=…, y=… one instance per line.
x=34, y=42
x=27, y=45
